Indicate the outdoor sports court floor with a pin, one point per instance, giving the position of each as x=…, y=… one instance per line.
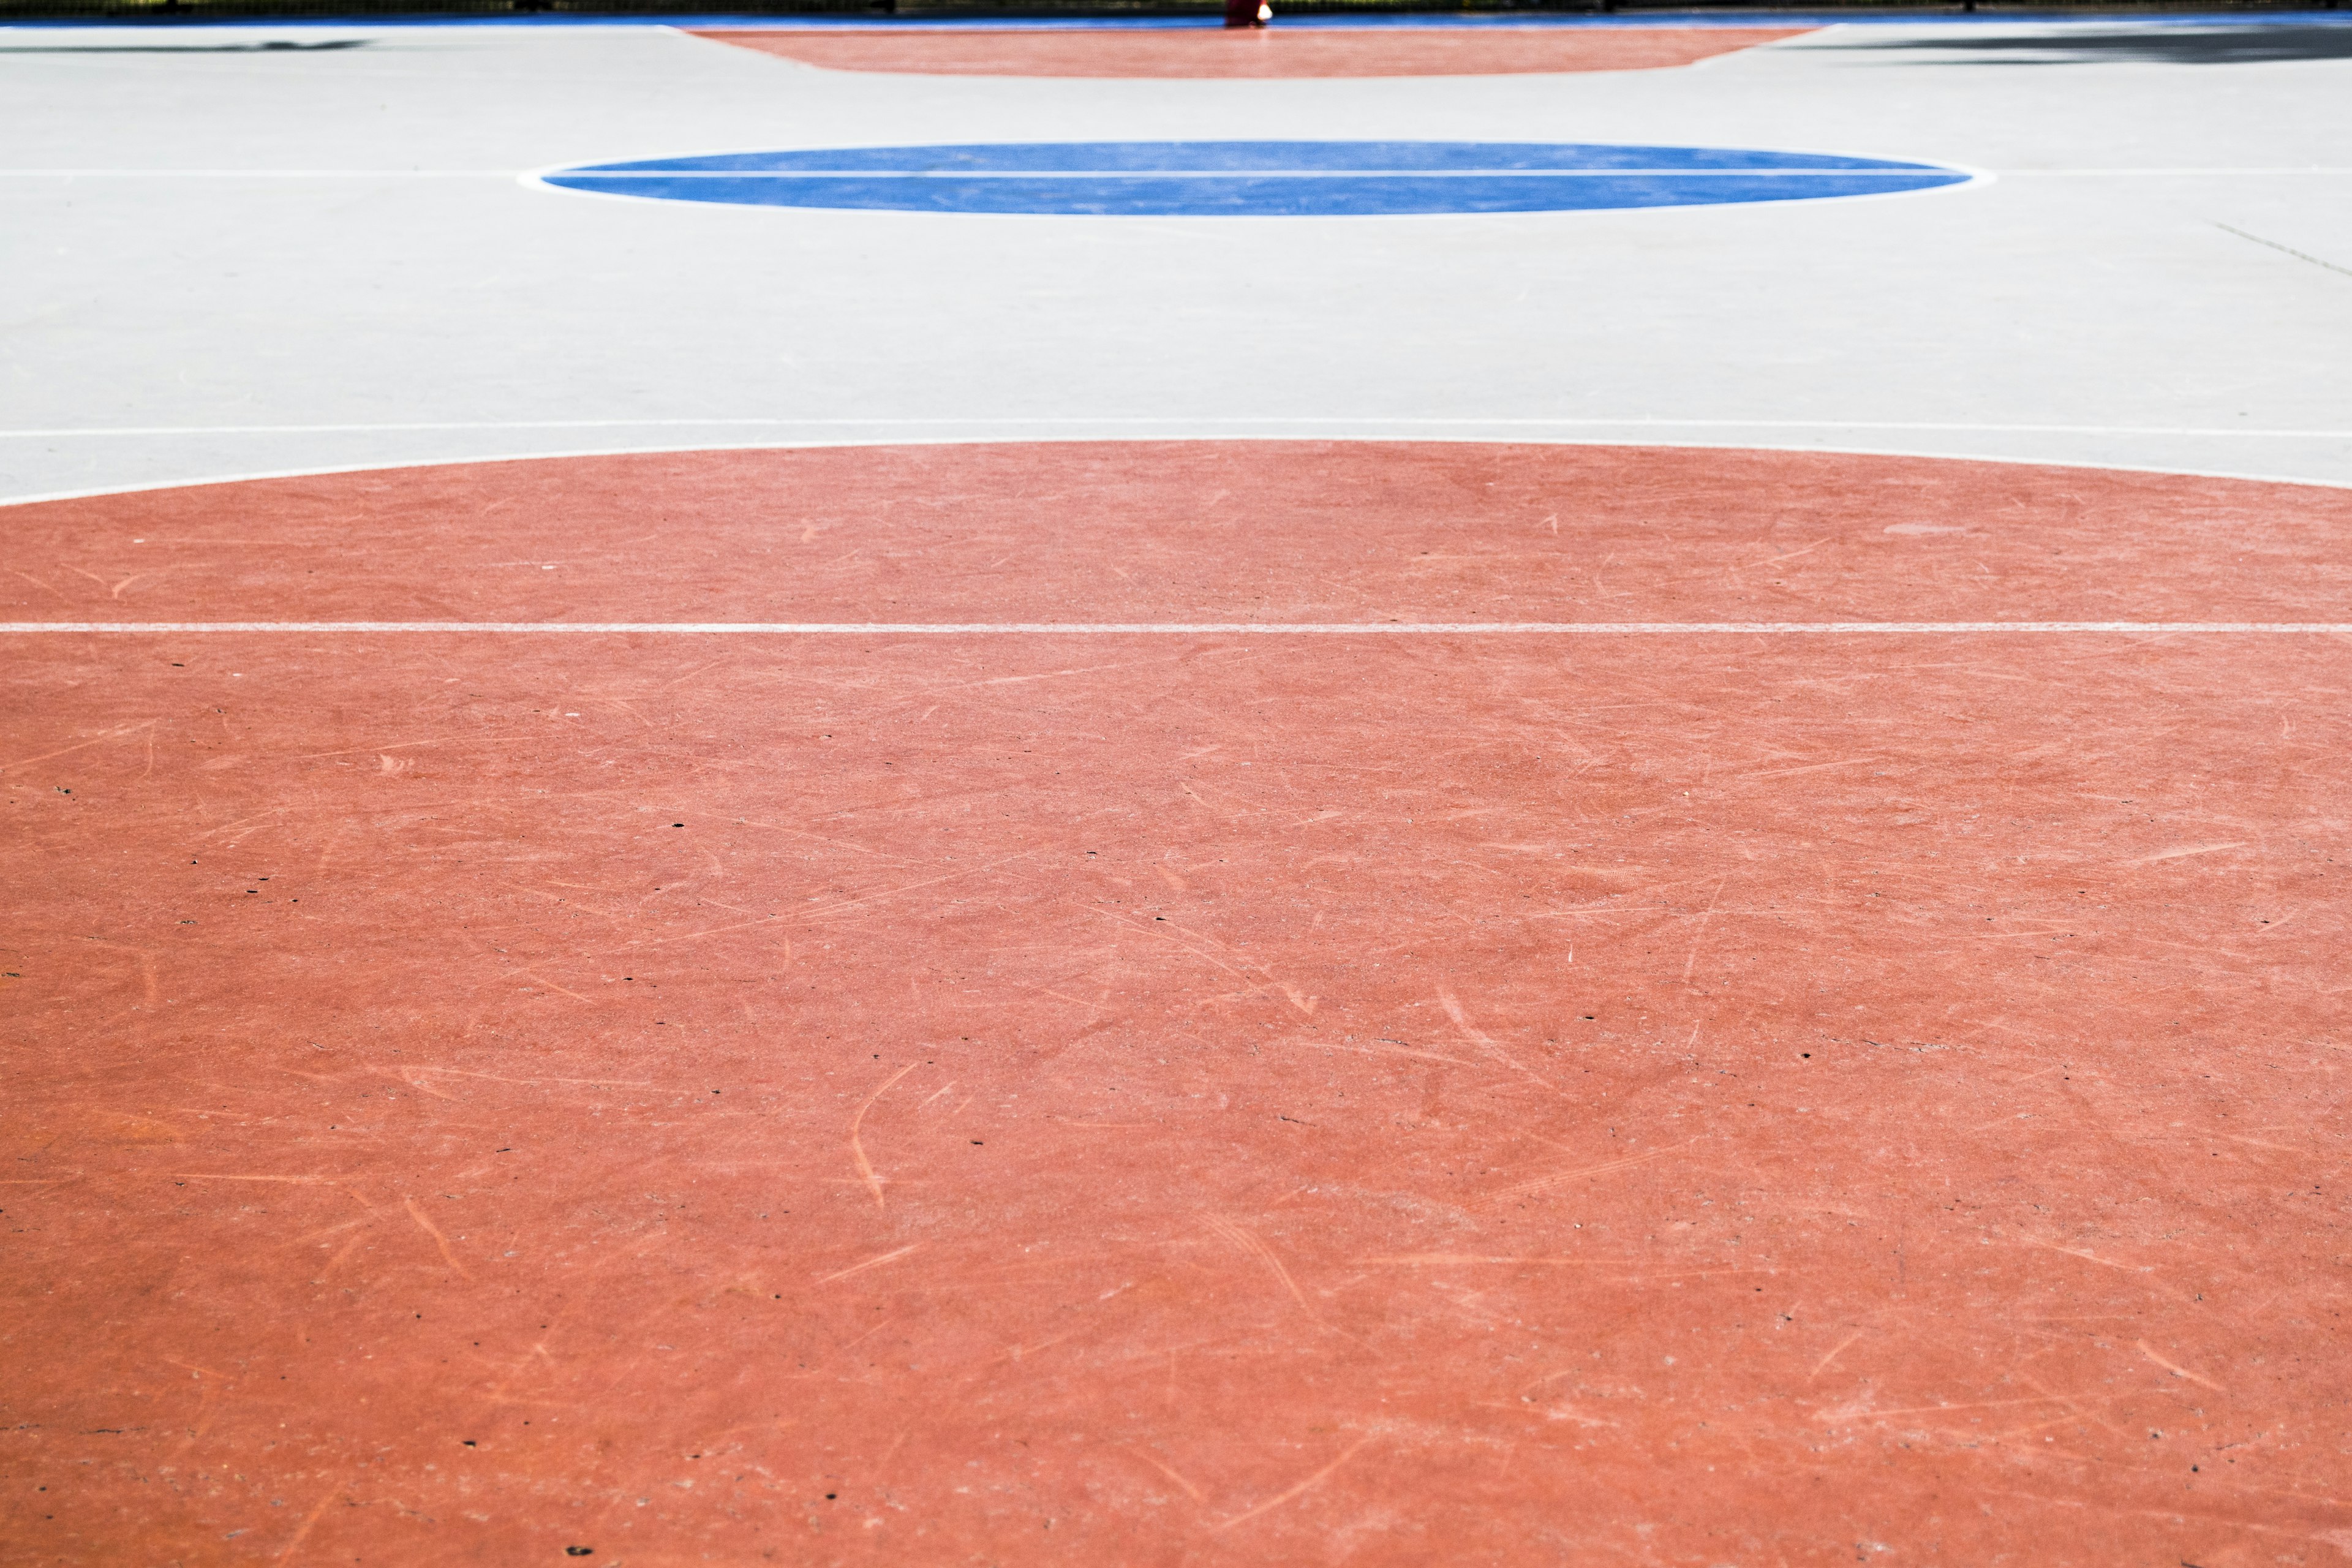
x=1293, y=878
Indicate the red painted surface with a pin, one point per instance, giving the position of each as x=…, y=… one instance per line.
x=1171, y=1100
x=1276, y=51
x=1284, y=531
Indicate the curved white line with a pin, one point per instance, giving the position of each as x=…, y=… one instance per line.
x=1359, y=421
x=1147, y=434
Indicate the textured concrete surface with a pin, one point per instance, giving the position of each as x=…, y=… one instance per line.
x=1158, y=1096
x=1176, y=1099
x=2085, y=307
x=1181, y=533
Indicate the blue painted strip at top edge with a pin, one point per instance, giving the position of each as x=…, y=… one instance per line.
x=790, y=22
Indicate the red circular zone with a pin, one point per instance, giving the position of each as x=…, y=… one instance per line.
x=1175, y=1099
x=1128, y=531
x=1272, y=52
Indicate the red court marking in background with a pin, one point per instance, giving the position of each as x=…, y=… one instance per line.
x=1175, y=1099
x=1271, y=52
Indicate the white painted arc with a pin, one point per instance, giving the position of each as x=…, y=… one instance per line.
x=1353, y=422
x=1179, y=431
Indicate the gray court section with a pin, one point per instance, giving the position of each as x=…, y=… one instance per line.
x=281, y=258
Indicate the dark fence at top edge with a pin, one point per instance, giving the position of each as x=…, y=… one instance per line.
x=167, y=12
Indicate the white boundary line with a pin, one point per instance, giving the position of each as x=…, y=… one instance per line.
x=1361, y=422
x=257, y=173
x=557, y=454
x=1191, y=628
x=2122, y=174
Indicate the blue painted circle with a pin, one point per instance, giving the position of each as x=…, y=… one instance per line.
x=1254, y=179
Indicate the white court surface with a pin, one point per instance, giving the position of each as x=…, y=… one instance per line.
x=225, y=262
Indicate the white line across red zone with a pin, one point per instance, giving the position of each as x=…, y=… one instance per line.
x=1190, y=628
